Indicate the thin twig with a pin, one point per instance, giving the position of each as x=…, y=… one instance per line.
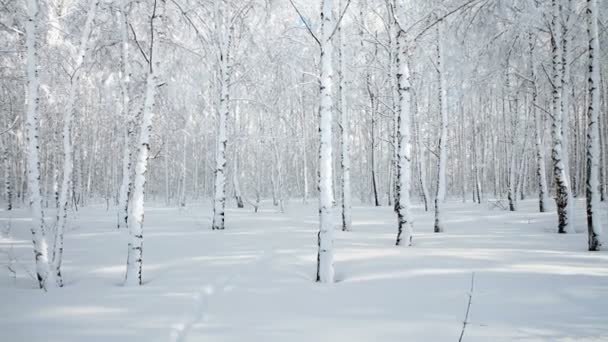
x=339, y=20
x=137, y=43
x=305, y=23
x=11, y=126
x=466, y=316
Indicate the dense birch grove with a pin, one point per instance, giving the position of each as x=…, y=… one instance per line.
x=256, y=104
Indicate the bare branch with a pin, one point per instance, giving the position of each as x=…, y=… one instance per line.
x=137, y=43
x=339, y=20
x=305, y=23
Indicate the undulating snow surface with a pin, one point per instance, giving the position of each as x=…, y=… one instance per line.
x=254, y=281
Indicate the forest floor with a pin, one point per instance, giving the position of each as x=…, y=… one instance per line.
x=254, y=281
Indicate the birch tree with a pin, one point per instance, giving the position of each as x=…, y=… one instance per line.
x=538, y=135
x=44, y=275
x=443, y=136
x=325, y=255
x=562, y=183
x=224, y=37
x=594, y=225
x=133, y=275
x=128, y=130
x=344, y=134
x=404, y=155
x=68, y=162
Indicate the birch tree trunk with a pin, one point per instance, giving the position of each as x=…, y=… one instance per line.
x=68, y=161
x=125, y=78
x=325, y=255
x=566, y=9
x=421, y=167
x=443, y=135
x=344, y=140
x=394, y=84
x=219, y=201
x=235, y=172
x=594, y=226
x=8, y=191
x=541, y=173
x=133, y=275
x=43, y=272
x=182, y=194
x=405, y=227
x=304, y=158
x=562, y=183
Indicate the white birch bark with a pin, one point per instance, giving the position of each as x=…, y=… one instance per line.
x=43, y=272
x=68, y=161
x=219, y=198
x=541, y=173
x=136, y=214
x=133, y=276
x=393, y=47
x=344, y=137
x=235, y=172
x=325, y=256
x=443, y=135
x=594, y=225
x=405, y=226
x=8, y=190
x=125, y=78
x=182, y=195
x=562, y=182
x=421, y=167
x=566, y=40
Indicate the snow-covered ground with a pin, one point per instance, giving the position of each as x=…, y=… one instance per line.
x=254, y=281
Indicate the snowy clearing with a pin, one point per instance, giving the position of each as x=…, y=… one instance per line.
x=255, y=280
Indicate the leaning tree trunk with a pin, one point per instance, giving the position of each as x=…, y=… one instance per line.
x=133, y=275
x=136, y=214
x=443, y=135
x=43, y=272
x=564, y=205
x=404, y=226
x=68, y=161
x=594, y=226
x=325, y=255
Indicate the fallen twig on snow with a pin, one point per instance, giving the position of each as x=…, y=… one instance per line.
x=466, y=316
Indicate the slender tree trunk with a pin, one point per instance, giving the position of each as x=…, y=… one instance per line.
x=44, y=275
x=563, y=190
x=182, y=196
x=325, y=256
x=393, y=55
x=594, y=226
x=476, y=190
x=541, y=173
x=125, y=78
x=219, y=202
x=133, y=275
x=443, y=136
x=8, y=190
x=421, y=167
x=344, y=140
x=68, y=161
x=238, y=197
x=404, y=221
